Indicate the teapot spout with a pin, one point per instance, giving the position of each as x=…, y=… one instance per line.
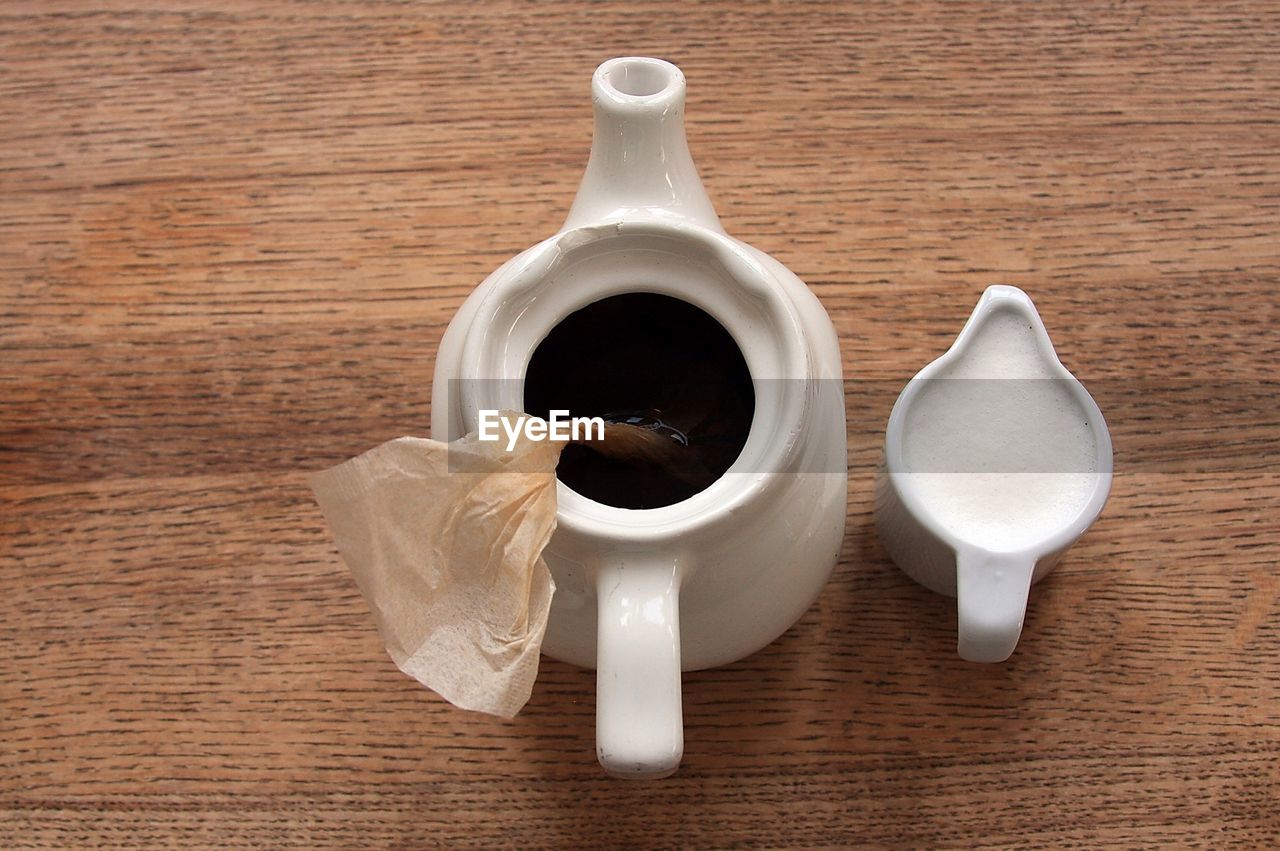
x=640, y=163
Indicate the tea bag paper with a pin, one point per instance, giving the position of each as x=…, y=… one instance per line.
x=445, y=541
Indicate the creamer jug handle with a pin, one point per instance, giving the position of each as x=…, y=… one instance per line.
x=991, y=601
x=639, y=723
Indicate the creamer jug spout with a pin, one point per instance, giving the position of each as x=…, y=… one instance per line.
x=640, y=166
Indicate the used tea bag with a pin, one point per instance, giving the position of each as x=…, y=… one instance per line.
x=445, y=541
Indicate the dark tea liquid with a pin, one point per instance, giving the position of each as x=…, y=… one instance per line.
x=655, y=362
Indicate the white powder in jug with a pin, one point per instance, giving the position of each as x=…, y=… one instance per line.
x=996, y=444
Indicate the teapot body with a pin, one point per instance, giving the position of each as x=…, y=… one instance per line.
x=746, y=574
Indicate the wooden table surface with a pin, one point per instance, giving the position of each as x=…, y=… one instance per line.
x=231, y=235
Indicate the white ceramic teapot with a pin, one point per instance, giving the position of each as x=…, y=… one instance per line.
x=642, y=594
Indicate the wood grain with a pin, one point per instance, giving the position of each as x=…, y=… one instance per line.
x=231, y=236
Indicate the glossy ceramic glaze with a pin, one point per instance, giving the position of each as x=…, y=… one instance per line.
x=642, y=595
x=990, y=571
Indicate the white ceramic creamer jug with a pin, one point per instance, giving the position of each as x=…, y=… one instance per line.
x=996, y=460
x=642, y=594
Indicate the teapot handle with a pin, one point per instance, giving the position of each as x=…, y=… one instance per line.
x=639, y=726
x=991, y=599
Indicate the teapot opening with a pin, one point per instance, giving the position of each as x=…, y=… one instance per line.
x=691, y=265
x=667, y=374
